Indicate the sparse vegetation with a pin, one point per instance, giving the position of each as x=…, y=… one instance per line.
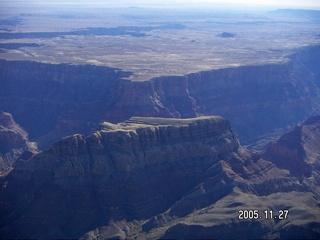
x=154, y=43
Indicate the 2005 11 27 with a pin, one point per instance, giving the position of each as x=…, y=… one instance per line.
x=265, y=214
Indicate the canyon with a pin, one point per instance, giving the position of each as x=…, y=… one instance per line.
x=140, y=123
x=61, y=99
x=83, y=165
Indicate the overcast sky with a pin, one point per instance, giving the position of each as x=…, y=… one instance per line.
x=172, y=3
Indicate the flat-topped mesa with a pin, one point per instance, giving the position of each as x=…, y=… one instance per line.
x=156, y=140
x=136, y=143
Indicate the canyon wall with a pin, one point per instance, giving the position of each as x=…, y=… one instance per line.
x=53, y=101
x=38, y=94
x=256, y=99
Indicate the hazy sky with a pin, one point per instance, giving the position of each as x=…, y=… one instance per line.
x=172, y=3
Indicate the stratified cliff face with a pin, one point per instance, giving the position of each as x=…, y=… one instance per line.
x=151, y=178
x=256, y=99
x=63, y=99
x=132, y=170
x=38, y=94
x=13, y=142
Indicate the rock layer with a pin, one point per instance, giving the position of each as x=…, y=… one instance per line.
x=39, y=94
x=60, y=100
x=151, y=178
x=121, y=171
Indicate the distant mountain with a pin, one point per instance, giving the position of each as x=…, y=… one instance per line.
x=300, y=13
x=226, y=35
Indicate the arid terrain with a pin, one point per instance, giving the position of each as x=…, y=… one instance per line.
x=159, y=123
x=153, y=43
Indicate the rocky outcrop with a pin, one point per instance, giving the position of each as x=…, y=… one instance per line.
x=296, y=152
x=299, y=152
x=152, y=178
x=13, y=142
x=62, y=99
x=145, y=178
x=121, y=171
x=242, y=180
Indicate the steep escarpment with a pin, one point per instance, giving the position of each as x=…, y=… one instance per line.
x=308, y=58
x=257, y=99
x=38, y=94
x=60, y=100
x=13, y=142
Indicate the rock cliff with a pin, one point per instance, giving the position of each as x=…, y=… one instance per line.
x=125, y=170
x=13, y=142
x=39, y=94
x=299, y=152
x=256, y=99
x=62, y=99
x=152, y=178
x=296, y=152
x=242, y=181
